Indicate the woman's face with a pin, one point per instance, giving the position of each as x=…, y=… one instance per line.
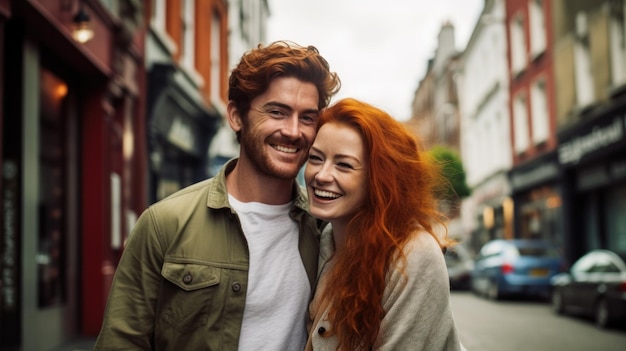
x=336, y=173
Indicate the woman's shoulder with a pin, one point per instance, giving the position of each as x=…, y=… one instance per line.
x=423, y=250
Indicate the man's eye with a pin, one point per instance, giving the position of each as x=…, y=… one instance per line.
x=311, y=119
x=275, y=112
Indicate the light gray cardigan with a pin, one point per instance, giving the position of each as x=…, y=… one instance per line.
x=417, y=308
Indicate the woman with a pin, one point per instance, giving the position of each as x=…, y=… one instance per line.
x=383, y=281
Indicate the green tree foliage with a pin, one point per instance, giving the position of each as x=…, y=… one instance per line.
x=452, y=168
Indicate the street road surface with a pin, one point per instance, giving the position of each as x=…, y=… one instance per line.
x=527, y=325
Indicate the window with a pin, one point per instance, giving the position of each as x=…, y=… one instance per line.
x=582, y=62
x=518, y=45
x=216, y=61
x=188, y=34
x=539, y=110
x=520, y=120
x=158, y=14
x=617, y=37
x=537, y=28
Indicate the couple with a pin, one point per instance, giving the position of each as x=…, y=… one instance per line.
x=237, y=261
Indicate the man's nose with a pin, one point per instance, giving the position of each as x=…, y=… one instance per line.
x=291, y=126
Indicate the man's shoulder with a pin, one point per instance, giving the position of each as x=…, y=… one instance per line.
x=184, y=200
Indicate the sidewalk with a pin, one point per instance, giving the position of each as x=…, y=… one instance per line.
x=82, y=344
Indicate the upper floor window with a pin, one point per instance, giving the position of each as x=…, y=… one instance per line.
x=539, y=112
x=187, y=50
x=216, y=54
x=518, y=45
x=537, y=27
x=520, y=120
x=617, y=37
x=157, y=17
x=582, y=62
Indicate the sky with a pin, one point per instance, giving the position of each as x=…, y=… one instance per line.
x=380, y=49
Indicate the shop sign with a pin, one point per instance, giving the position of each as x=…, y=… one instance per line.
x=181, y=135
x=600, y=137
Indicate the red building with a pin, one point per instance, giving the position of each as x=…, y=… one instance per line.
x=73, y=147
x=535, y=183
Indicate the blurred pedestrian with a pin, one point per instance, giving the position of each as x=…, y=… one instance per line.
x=230, y=263
x=383, y=282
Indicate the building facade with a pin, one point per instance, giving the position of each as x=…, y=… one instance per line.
x=535, y=183
x=483, y=86
x=590, y=66
x=73, y=159
x=435, y=111
x=187, y=64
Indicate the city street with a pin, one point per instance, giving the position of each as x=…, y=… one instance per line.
x=519, y=324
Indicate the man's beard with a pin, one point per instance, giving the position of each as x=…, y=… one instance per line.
x=260, y=159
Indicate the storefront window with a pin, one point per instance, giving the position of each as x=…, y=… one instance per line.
x=615, y=219
x=541, y=212
x=590, y=218
x=52, y=191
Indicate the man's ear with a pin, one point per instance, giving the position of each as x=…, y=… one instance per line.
x=234, y=117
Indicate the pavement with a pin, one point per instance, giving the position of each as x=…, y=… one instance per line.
x=81, y=344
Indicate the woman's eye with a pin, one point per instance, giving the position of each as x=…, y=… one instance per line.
x=344, y=165
x=314, y=158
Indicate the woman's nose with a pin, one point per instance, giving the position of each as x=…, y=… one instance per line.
x=324, y=175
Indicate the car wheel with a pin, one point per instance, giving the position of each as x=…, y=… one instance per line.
x=557, y=301
x=493, y=292
x=602, y=317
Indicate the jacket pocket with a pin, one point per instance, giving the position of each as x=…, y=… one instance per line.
x=188, y=293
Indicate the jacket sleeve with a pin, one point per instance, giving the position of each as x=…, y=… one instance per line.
x=417, y=302
x=128, y=322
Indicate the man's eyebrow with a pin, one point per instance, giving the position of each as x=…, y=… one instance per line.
x=287, y=107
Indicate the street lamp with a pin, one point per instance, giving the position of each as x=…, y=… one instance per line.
x=81, y=25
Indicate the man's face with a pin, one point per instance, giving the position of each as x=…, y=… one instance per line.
x=280, y=128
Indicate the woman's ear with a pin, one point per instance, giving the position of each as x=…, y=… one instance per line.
x=234, y=117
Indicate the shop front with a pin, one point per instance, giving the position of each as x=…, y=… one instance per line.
x=181, y=128
x=69, y=113
x=592, y=155
x=538, y=202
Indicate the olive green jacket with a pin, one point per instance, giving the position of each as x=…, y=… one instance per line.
x=181, y=282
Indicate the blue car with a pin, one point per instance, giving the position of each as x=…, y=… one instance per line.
x=521, y=267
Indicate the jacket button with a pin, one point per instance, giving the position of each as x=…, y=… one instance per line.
x=187, y=279
x=321, y=331
x=236, y=287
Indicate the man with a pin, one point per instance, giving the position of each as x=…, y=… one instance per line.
x=230, y=263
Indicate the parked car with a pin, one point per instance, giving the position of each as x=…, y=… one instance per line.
x=595, y=287
x=520, y=267
x=460, y=265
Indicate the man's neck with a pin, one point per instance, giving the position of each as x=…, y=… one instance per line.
x=247, y=185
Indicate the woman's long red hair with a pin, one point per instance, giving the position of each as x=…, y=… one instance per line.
x=401, y=184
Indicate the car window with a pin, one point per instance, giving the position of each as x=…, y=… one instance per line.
x=604, y=266
x=538, y=252
x=490, y=249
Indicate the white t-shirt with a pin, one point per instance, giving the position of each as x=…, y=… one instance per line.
x=278, y=287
